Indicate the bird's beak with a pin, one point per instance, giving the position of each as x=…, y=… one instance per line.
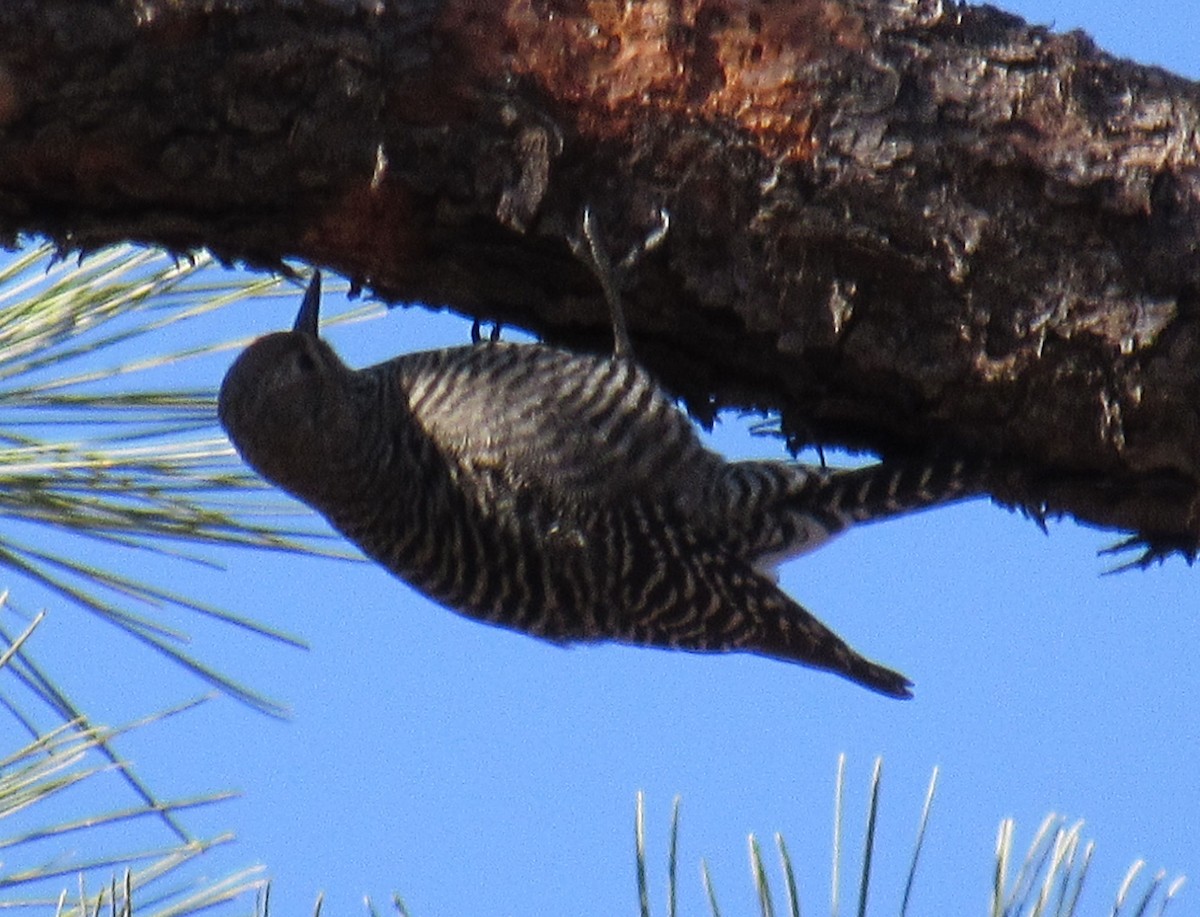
x=307, y=318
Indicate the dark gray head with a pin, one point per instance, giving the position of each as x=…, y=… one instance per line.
x=286, y=406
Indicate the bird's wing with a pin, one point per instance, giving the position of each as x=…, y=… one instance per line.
x=594, y=429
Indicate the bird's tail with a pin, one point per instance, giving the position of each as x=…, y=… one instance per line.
x=853, y=496
x=794, y=508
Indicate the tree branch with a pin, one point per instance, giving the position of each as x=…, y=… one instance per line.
x=908, y=227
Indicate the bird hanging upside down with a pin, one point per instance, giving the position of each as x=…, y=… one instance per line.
x=559, y=494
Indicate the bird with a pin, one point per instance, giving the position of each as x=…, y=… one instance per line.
x=561, y=494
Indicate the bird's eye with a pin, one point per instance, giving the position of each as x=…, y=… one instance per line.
x=305, y=362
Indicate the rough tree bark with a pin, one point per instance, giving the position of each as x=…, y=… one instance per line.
x=908, y=226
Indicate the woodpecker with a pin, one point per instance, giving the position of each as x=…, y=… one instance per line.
x=559, y=494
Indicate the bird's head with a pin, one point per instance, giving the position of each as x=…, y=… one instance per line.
x=285, y=404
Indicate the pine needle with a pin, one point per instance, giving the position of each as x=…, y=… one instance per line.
x=87, y=449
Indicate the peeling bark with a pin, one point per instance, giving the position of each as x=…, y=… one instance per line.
x=909, y=227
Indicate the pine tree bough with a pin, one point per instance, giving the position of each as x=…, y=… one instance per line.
x=909, y=227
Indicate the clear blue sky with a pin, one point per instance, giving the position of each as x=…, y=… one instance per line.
x=479, y=772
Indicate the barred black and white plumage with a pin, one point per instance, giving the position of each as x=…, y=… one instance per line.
x=555, y=493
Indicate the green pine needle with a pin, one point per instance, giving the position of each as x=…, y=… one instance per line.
x=87, y=449
x=1048, y=883
x=73, y=757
